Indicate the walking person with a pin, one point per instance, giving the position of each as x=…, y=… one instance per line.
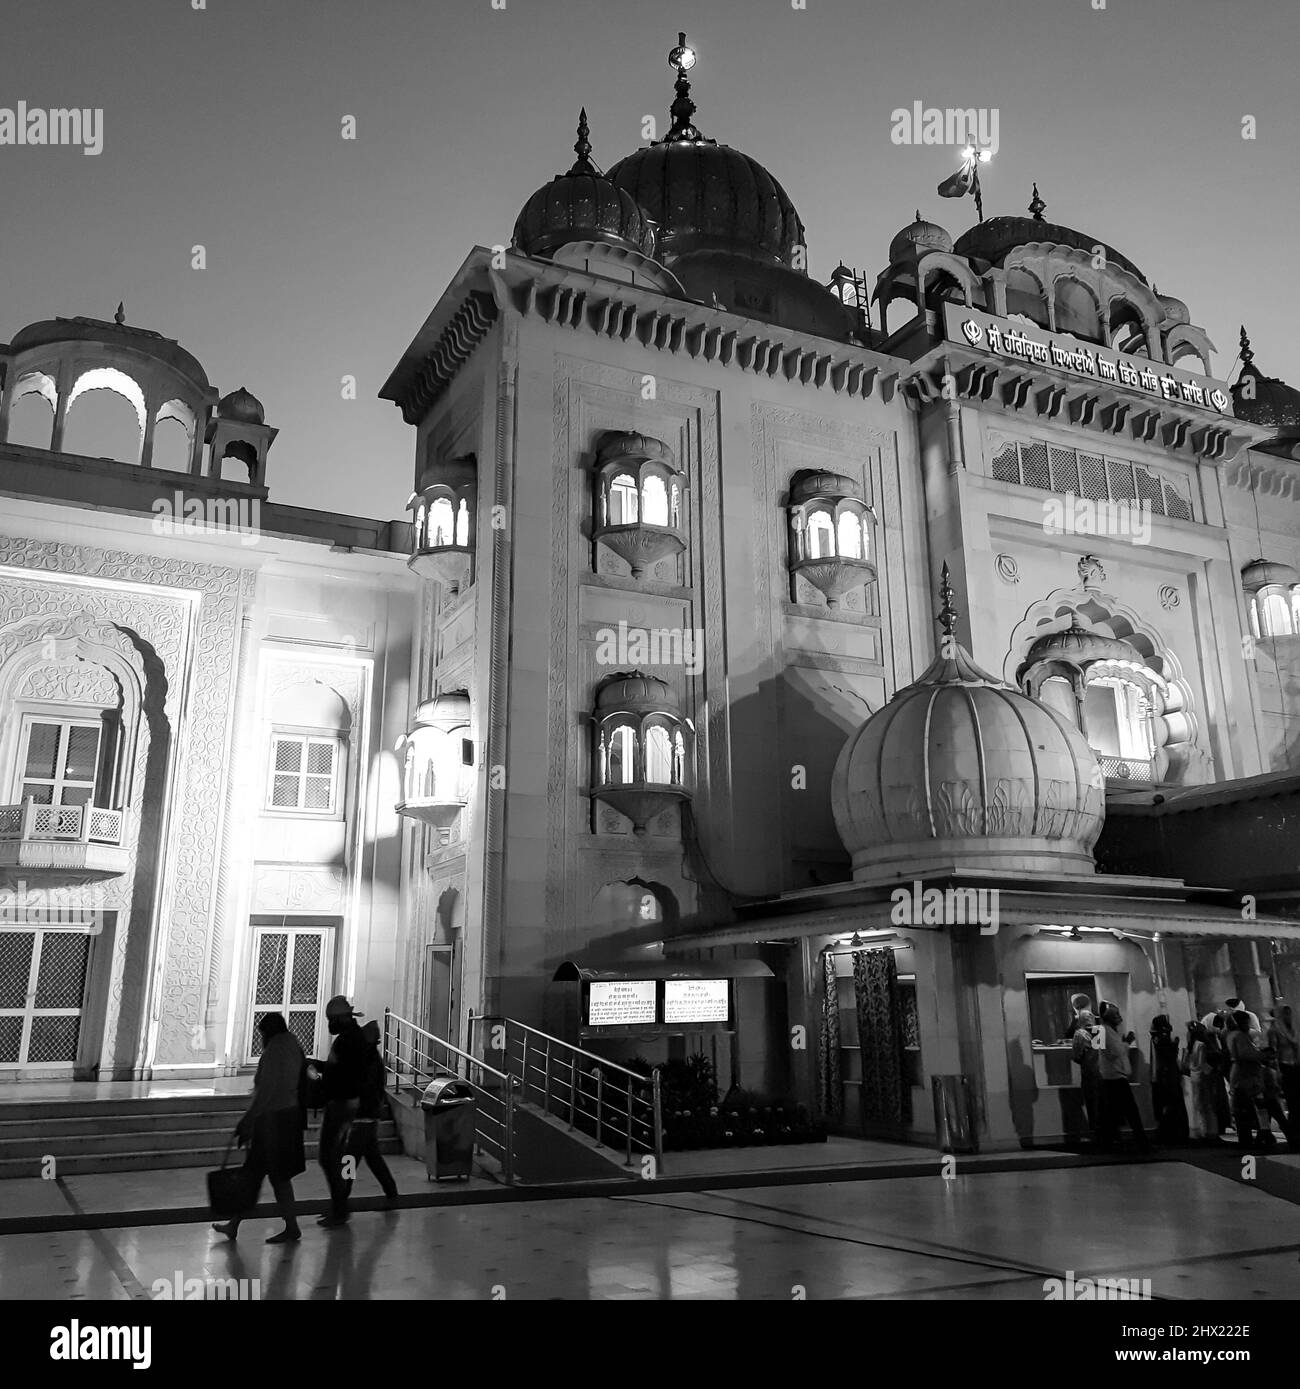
x=342, y=1081
x=1117, y=1103
x=1285, y=1042
x=1085, y=1052
x=370, y=1113
x=1167, y=1083
x=272, y=1125
x=1192, y=1084
x=1246, y=1082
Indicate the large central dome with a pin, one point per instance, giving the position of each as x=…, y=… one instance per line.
x=709, y=197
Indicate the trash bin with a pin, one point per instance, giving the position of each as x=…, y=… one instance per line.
x=954, y=1115
x=449, y=1116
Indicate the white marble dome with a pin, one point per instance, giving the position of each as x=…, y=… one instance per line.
x=959, y=770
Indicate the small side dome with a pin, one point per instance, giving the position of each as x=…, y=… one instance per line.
x=449, y=472
x=622, y=444
x=446, y=712
x=582, y=205
x=1264, y=400
x=241, y=406
x=918, y=238
x=1261, y=573
x=636, y=691
x=808, y=485
x=1075, y=644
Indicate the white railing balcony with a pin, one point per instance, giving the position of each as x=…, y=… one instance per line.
x=87, y=838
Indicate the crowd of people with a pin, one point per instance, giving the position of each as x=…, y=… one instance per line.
x=1230, y=1073
x=349, y=1085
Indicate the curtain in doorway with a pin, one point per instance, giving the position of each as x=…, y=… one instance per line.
x=886, y=1095
x=830, y=1098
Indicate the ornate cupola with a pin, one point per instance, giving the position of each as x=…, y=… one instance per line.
x=832, y=536
x=639, y=500
x=643, y=750
x=959, y=771
x=582, y=205
x=1272, y=592
x=238, y=429
x=445, y=503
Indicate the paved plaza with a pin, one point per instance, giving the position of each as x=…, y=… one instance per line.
x=1196, y=1230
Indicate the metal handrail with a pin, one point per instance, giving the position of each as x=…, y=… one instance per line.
x=418, y=1066
x=639, y=1116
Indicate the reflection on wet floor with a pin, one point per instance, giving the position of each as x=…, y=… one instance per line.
x=1194, y=1233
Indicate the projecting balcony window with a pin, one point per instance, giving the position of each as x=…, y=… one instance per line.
x=641, y=751
x=637, y=503
x=1275, y=613
x=304, y=775
x=830, y=535
x=63, y=817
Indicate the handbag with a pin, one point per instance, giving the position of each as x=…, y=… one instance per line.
x=231, y=1190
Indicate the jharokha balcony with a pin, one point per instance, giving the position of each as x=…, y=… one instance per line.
x=83, y=838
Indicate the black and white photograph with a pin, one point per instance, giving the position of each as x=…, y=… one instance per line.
x=648, y=655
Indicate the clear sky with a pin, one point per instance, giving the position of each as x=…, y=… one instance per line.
x=222, y=128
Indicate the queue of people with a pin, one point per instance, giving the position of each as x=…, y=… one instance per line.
x=1232, y=1073
x=350, y=1084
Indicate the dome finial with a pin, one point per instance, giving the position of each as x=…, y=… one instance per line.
x=1037, y=206
x=120, y=316
x=683, y=108
x=1247, y=356
x=582, y=147
x=918, y=214
x=947, y=613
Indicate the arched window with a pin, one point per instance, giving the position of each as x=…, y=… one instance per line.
x=462, y=524
x=850, y=535
x=622, y=501
x=1127, y=331
x=441, y=525
x=238, y=463
x=674, y=509
x=31, y=415
x=1025, y=296
x=620, y=769
x=658, y=755
x=821, y=535
x=1117, y=717
x=106, y=414
x=679, y=758
x=422, y=527
x=1274, y=613
x=654, y=501
x=1076, y=310
x=1057, y=693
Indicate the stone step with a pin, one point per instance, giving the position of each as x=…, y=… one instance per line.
x=161, y=1141
x=13, y=1109
x=145, y=1160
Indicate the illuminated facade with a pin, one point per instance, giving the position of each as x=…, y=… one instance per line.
x=678, y=433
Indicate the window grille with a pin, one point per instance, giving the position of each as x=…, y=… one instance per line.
x=1089, y=475
x=304, y=774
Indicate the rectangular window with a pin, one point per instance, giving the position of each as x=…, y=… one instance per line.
x=304, y=777
x=59, y=760
x=1050, y=1012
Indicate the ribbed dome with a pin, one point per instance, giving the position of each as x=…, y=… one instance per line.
x=918, y=238
x=818, y=484
x=992, y=240
x=1075, y=644
x=959, y=770
x=581, y=205
x=709, y=197
x=635, y=691
x=242, y=406
x=622, y=444
x=449, y=472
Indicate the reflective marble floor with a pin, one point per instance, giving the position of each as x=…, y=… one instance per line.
x=1195, y=1233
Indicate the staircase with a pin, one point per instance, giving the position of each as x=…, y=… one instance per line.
x=128, y=1135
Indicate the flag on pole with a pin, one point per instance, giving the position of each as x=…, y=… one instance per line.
x=959, y=184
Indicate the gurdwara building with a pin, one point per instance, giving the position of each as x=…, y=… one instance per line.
x=835, y=679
